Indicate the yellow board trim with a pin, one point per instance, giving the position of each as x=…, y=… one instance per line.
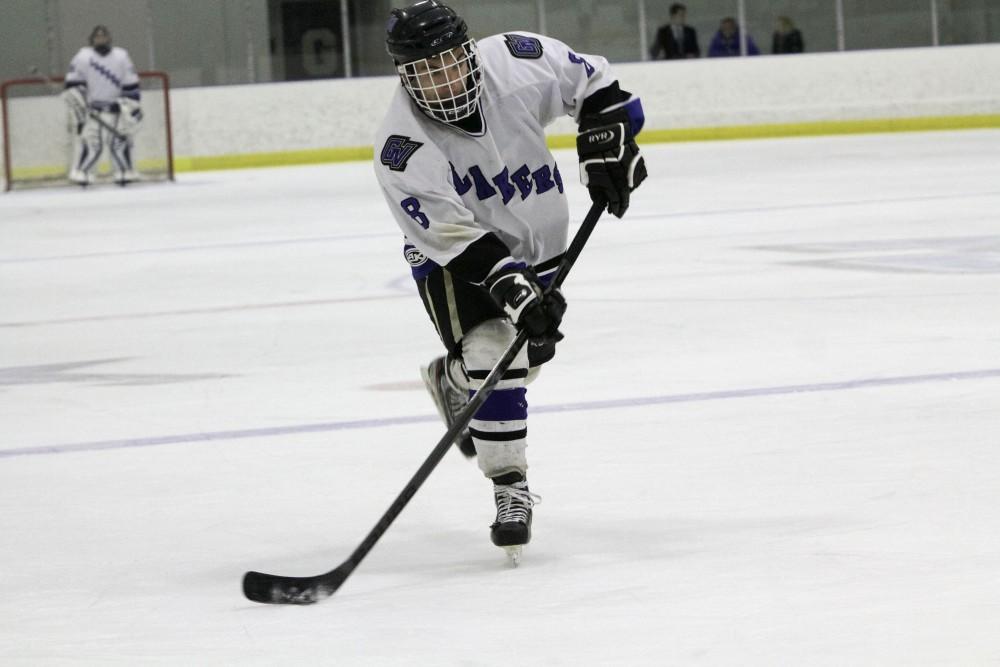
x=57, y=172
x=354, y=153
x=279, y=159
x=817, y=128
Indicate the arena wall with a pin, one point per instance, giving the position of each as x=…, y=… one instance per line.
x=953, y=87
x=718, y=98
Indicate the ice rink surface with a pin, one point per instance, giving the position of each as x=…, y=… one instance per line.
x=771, y=436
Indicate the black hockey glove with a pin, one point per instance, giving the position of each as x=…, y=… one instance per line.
x=519, y=293
x=610, y=163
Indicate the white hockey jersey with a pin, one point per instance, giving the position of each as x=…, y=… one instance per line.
x=106, y=77
x=447, y=188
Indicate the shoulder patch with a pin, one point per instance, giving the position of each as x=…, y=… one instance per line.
x=521, y=46
x=397, y=151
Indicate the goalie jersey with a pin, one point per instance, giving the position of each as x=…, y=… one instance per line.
x=453, y=192
x=106, y=78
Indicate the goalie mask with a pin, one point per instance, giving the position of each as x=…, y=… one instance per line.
x=100, y=40
x=438, y=63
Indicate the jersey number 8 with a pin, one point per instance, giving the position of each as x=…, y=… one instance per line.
x=412, y=207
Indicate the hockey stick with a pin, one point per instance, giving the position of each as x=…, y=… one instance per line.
x=276, y=589
x=103, y=123
x=91, y=113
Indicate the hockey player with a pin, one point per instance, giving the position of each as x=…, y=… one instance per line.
x=465, y=170
x=102, y=92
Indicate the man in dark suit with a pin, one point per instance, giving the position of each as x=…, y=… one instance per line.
x=676, y=40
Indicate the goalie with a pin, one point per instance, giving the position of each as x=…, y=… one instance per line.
x=102, y=93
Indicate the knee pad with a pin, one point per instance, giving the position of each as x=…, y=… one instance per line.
x=482, y=348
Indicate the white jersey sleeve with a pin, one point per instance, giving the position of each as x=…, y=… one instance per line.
x=78, y=66
x=130, y=77
x=562, y=77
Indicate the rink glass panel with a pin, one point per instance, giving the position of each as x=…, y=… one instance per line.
x=220, y=42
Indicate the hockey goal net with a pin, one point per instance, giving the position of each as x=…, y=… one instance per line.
x=38, y=133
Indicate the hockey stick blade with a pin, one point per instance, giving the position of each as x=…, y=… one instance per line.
x=275, y=589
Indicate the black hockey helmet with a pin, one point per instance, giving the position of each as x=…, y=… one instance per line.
x=100, y=31
x=423, y=29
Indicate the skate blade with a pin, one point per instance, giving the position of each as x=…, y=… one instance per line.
x=514, y=554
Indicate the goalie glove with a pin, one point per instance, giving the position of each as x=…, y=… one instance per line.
x=130, y=114
x=520, y=294
x=76, y=101
x=611, y=165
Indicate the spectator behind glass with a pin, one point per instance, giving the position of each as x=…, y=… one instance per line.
x=676, y=40
x=727, y=41
x=787, y=38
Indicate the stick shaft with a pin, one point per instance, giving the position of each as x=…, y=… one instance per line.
x=93, y=113
x=475, y=402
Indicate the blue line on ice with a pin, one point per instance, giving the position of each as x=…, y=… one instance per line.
x=564, y=407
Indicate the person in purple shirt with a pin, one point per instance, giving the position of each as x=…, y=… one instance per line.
x=726, y=41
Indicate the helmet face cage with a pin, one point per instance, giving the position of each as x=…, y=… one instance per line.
x=100, y=31
x=446, y=86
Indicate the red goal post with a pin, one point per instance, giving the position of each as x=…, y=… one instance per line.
x=38, y=133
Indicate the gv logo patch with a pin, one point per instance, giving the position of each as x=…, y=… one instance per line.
x=397, y=152
x=521, y=46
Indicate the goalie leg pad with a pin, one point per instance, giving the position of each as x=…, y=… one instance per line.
x=90, y=147
x=76, y=103
x=121, y=156
x=499, y=427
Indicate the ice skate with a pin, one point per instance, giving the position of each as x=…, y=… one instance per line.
x=126, y=177
x=449, y=400
x=512, y=528
x=81, y=177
